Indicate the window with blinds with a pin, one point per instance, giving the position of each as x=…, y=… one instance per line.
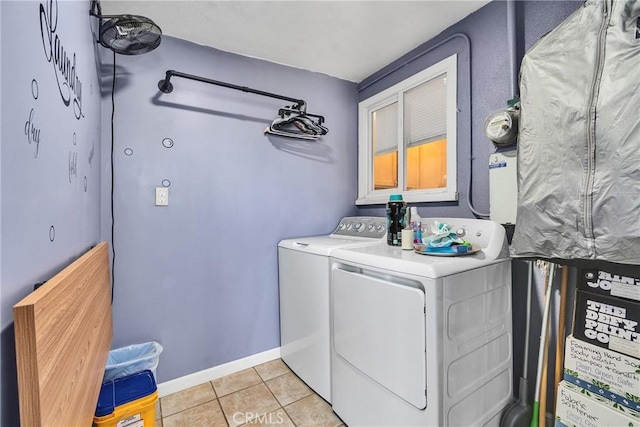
x=425, y=134
x=425, y=112
x=385, y=147
x=407, y=139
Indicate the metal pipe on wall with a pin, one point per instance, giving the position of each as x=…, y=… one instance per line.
x=512, y=39
x=419, y=55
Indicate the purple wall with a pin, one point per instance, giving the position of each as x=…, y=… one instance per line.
x=50, y=157
x=490, y=86
x=200, y=276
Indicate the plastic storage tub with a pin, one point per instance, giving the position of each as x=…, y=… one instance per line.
x=132, y=359
x=127, y=402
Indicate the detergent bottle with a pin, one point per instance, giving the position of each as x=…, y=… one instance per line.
x=396, y=212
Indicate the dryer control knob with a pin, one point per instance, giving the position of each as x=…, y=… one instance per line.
x=461, y=232
x=359, y=226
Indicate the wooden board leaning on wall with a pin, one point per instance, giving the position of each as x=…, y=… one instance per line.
x=63, y=335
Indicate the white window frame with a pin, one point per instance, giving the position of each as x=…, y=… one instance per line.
x=366, y=194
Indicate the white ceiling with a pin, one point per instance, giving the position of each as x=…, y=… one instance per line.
x=345, y=39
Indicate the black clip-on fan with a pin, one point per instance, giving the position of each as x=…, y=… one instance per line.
x=126, y=34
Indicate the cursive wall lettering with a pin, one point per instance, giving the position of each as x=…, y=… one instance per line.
x=73, y=160
x=73, y=164
x=92, y=153
x=33, y=134
x=64, y=67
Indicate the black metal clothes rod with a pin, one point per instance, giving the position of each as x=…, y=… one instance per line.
x=166, y=87
x=285, y=111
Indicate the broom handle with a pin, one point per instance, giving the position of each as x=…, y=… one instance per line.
x=545, y=363
x=543, y=333
x=527, y=329
x=560, y=336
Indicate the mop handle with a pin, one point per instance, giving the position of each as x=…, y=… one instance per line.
x=543, y=332
x=560, y=335
x=527, y=327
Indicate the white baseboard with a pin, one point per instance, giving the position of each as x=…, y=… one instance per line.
x=210, y=374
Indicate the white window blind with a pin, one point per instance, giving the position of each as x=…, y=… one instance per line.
x=425, y=112
x=385, y=129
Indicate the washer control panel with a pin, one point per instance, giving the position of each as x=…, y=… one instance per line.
x=362, y=226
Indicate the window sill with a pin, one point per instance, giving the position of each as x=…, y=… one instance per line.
x=410, y=197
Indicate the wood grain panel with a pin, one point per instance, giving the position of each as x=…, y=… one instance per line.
x=63, y=335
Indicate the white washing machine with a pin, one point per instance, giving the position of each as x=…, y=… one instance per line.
x=304, y=273
x=423, y=340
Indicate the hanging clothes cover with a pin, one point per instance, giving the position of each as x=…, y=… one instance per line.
x=579, y=146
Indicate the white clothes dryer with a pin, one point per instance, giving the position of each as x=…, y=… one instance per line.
x=304, y=273
x=421, y=340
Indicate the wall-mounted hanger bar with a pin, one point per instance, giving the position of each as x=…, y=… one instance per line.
x=286, y=111
x=166, y=87
x=293, y=121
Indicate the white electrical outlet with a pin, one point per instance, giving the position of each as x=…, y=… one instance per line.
x=162, y=196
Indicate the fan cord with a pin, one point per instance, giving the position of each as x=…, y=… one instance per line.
x=113, y=249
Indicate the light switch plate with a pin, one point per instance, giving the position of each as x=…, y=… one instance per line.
x=162, y=196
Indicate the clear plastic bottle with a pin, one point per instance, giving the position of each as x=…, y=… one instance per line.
x=416, y=224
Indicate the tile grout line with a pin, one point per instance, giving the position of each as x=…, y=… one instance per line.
x=235, y=391
x=283, y=407
x=218, y=397
x=224, y=416
x=186, y=409
x=262, y=381
x=191, y=407
x=270, y=392
x=276, y=398
x=295, y=401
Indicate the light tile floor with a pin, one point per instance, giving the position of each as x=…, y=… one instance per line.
x=268, y=394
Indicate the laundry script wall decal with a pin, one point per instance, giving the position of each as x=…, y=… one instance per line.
x=73, y=160
x=30, y=130
x=64, y=67
x=32, y=133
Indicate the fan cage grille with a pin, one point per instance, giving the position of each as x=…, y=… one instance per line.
x=130, y=35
